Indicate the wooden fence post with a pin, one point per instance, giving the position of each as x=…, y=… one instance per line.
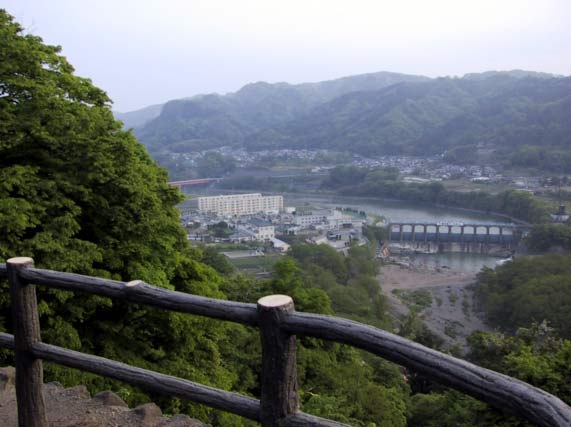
x=279, y=374
x=29, y=372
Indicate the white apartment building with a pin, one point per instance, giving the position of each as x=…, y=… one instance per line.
x=329, y=216
x=317, y=217
x=262, y=230
x=241, y=204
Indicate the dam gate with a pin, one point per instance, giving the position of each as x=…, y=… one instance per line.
x=453, y=237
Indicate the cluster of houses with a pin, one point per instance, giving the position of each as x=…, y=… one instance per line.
x=243, y=218
x=245, y=158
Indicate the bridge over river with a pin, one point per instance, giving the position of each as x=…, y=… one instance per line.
x=454, y=237
x=181, y=184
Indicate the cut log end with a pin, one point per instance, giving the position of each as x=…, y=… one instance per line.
x=134, y=283
x=272, y=301
x=21, y=260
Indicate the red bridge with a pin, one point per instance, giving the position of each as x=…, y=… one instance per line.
x=181, y=184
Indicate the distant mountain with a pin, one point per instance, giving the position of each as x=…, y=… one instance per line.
x=133, y=119
x=512, y=73
x=213, y=120
x=499, y=111
x=521, y=116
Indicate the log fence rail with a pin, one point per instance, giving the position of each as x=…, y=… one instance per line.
x=279, y=324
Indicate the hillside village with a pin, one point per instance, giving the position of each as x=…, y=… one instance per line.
x=418, y=169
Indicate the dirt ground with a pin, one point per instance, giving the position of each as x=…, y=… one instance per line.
x=74, y=407
x=451, y=314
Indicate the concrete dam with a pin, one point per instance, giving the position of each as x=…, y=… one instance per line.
x=485, y=238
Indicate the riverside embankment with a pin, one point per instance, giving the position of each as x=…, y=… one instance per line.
x=448, y=308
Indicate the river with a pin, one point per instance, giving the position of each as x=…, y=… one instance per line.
x=400, y=211
x=403, y=212
x=394, y=211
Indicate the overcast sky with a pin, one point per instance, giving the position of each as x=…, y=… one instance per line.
x=144, y=52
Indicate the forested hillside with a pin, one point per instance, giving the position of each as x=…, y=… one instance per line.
x=523, y=117
x=213, y=120
x=500, y=111
x=138, y=118
x=526, y=290
x=79, y=194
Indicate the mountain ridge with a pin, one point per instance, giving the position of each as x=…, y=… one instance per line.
x=378, y=113
x=155, y=108
x=142, y=115
x=457, y=111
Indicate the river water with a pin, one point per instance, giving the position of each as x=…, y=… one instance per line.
x=394, y=211
x=397, y=211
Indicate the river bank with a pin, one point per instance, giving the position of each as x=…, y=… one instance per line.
x=329, y=197
x=446, y=296
x=461, y=206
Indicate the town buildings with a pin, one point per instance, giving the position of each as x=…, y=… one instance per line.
x=249, y=218
x=315, y=217
x=560, y=216
x=261, y=229
x=241, y=204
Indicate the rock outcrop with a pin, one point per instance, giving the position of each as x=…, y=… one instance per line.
x=67, y=407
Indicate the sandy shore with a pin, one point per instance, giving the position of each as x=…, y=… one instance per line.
x=451, y=314
x=397, y=277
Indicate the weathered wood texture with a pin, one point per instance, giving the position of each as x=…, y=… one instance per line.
x=498, y=390
x=279, y=374
x=143, y=293
x=166, y=384
x=247, y=407
x=304, y=420
x=29, y=371
x=6, y=341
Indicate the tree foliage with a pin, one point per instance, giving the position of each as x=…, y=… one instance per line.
x=335, y=381
x=251, y=116
x=350, y=282
x=543, y=237
x=526, y=290
x=528, y=300
x=79, y=194
x=535, y=355
x=385, y=182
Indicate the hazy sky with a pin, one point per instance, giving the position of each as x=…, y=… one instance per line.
x=149, y=51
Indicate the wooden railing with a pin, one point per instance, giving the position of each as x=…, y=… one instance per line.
x=279, y=324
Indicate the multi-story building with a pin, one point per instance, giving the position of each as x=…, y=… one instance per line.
x=263, y=230
x=241, y=204
x=312, y=218
x=332, y=217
